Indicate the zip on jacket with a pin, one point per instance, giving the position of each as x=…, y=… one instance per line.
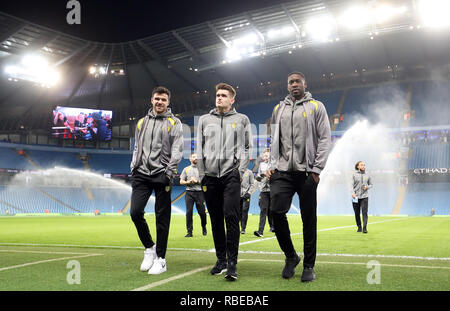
x=223, y=143
x=166, y=129
x=360, y=179
x=317, y=135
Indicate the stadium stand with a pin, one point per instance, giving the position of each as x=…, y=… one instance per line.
x=419, y=198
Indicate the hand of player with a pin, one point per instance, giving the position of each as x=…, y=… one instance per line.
x=316, y=177
x=364, y=188
x=353, y=195
x=269, y=173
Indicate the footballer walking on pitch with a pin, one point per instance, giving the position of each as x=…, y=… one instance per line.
x=223, y=151
x=361, y=183
x=299, y=148
x=157, y=151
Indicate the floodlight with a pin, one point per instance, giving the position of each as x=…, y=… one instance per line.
x=320, y=28
x=386, y=12
x=434, y=13
x=354, y=18
x=281, y=32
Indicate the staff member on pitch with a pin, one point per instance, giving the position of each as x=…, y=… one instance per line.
x=299, y=148
x=223, y=150
x=157, y=151
x=361, y=183
x=189, y=177
x=264, y=196
x=247, y=183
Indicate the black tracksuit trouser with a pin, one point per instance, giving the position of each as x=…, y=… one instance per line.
x=361, y=206
x=264, y=205
x=196, y=197
x=142, y=188
x=222, y=195
x=283, y=186
x=245, y=206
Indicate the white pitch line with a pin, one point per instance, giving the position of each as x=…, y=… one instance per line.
x=179, y=276
x=173, y=278
x=321, y=230
x=39, y=252
x=45, y=261
x=353, y=263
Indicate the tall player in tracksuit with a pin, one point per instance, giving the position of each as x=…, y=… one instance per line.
x=189, y=177
x=299, y=148
x=247, y=183
x=264, y=196
x=157, y=151
x=223, y=150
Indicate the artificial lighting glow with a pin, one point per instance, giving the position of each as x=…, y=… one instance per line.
x=245, y=46
x=354, y=18
x=280, y=33
x=386, y=12
x=434, y=13
x=320, y=28
x=33, y=68
x=102, y=70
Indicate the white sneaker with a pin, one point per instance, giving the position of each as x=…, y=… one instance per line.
x=159, y=266
x=149, y=257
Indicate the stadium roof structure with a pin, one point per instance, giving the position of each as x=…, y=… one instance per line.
x=252, y=50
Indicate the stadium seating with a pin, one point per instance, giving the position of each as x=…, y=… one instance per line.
x=110, y=163
x=429, y=155
x=361, y=101
x=10, y=159
x=420, y=198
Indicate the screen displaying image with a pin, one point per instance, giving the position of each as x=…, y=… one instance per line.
x=82, y=124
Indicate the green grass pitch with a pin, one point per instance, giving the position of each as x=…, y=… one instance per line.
x=413, y=253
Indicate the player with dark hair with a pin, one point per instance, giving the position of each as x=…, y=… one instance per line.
x=157, y=151
x=361, y=183
x=223, y=150
x=299, y=148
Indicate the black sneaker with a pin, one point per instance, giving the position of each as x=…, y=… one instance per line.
x=258, y=234
x=204, y=231
x=359, y=229
x=308, y=275
x=189, y=235
x=231, y=272
x=289, y=267
x=242, y=231
x=364, y=230
x=219, y=268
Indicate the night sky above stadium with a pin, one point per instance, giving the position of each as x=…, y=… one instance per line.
x=120, y=20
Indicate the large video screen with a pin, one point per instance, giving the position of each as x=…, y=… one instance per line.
x=82, y=124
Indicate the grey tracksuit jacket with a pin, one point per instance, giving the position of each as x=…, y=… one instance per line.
x=248, y=180
x=158, y=144
x=306, y=139
x=264, y=185
x=189, y=172
x=223, y=143
x=360, y=179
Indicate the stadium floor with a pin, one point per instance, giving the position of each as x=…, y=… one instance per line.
x=38, y=254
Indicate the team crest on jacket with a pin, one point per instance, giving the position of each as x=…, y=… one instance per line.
x=167, y=188
x=204, y=188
